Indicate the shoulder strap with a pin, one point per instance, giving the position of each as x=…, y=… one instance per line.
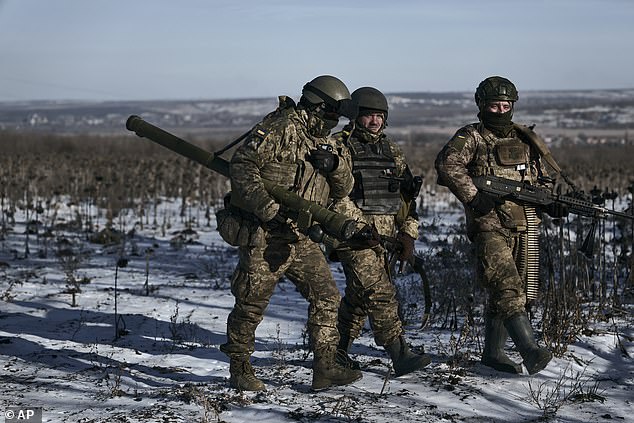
x=527, y=133
x=285, y=103
x=232, y=143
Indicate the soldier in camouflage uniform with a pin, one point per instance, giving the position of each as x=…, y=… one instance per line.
x=493, y=146
x=289, y=147
x=379, y=168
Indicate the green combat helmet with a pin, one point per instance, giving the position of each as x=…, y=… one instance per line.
x=370, y=98
x=495, y=88
x=325, y=87
x=333, y=92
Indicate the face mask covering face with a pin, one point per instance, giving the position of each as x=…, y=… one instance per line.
x=498, y=123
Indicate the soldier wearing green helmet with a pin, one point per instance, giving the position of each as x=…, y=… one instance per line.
x=497, y=146
x=495, y=88
x=380, y=170
x=290, y=147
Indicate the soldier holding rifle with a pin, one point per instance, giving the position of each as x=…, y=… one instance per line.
x=500, y=229
x=382, y=198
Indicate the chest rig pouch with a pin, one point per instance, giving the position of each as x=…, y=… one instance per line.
x=512, y=162
x=376, y=186
x=512, y=152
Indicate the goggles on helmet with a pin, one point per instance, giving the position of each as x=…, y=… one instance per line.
x=345, y=107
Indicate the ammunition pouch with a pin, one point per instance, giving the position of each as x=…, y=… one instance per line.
x=239, y=228
x=511, y=216
x=512, y=153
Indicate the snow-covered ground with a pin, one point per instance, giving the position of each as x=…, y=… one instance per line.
x=141, y=344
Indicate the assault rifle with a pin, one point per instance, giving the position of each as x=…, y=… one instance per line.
x=525, y=193
x=411, y=185
x=308, y=212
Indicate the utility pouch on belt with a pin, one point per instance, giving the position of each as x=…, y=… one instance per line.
x=238, y=228
x=511, y=216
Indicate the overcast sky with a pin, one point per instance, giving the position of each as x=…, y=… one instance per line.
x=167, y=49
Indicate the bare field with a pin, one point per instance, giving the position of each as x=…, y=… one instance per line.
x=115, y=291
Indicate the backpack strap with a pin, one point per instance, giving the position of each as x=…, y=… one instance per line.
x=537, y=142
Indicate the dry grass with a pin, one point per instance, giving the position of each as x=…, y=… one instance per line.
x=126, y=173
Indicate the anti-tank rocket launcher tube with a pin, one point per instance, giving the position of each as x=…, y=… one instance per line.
x=177, y=145
x=333, y=223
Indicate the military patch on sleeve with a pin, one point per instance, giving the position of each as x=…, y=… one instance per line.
x=458, y=141
x=258, y=134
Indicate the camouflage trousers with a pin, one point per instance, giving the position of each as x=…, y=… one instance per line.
x=253, y=283
x=498, y=270
x=369, y=292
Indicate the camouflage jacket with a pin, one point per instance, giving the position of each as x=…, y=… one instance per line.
x=406, y=220
x=475, y=151
x=277, y=150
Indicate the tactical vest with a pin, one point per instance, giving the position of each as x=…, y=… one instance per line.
x=287, y=175
x=504, y=157
x=376, y=186
x=508, y=158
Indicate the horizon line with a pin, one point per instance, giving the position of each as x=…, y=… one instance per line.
x=395, y=93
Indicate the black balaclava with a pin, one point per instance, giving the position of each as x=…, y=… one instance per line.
x=320, y=122
x=501, y=124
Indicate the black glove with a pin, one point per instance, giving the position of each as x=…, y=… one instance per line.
x=556, y=210
x=407, y=246
x=279, y=218
x=482, y=203
x=323, y=160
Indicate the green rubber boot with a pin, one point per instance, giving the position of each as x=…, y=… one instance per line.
x=521, y=332
x=493, y=356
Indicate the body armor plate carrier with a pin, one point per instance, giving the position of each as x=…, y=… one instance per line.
x=376, y=185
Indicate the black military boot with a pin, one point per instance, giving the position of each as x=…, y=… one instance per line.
x=327, y=373
x=341, y=356
x=493, y=356
x=243, y=376
x=521, y=332
x=403, y=360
